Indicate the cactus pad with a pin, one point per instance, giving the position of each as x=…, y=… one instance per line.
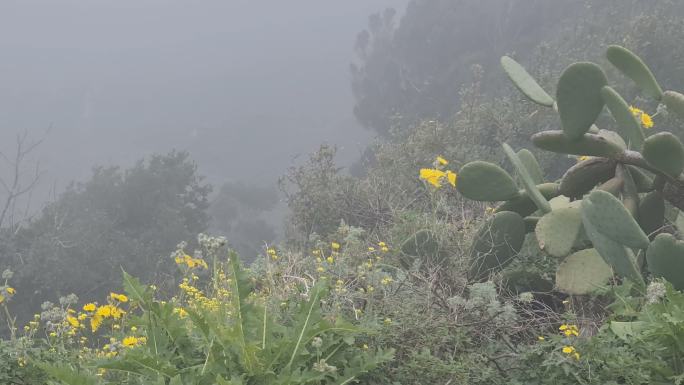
x=608, y=216
x=527, y=181
x=588, y=144
x=422, y=244
x=579, y=98
x=584, y=176
x=525, y=83
x=634, y=68
x=665, y=152
x=674, y=102
x=484, y=181
x=531, y=165
x=582, y=272
x=665, y=258
x=558, y=230
x=523, y=205
x=496, y=243
x=620, y=258
x=624, y=117
x=652, y=212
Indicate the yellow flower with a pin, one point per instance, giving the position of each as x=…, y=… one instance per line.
x=73, y=321
x=568, y=349
x=441, y=161
x=646, y=120
x=130, y=341
x=182, y=313
x=583, y=158
x=11, y=291
x=384, y=249
x=271, y=251
x=320, y=269
x=118, y=297
x=577, y=356
x=371, y=249
x=386, y=281
x=541, y=338
x=382, y=244
x=104, y=311
x=387, y=321
x=451, y=177
x=432, y=176
x=635, y=111
x=89, y=307
x=330, y=259
x=335, y=246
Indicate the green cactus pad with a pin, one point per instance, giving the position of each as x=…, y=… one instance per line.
x=422, y=244
x=579, y=98
x=652, y=212
x=644, y=182
x=625, y=119
x=525, y=83
x=582, y=272
x=585, y=175
x=665, y=152
x=531, y=165
x=614, y=137
x=523, y=205
x=609, y=217
x=558, y=230
x=620, y=258
x=588, y=144
x=497, y=241
x=484, y=181
x=674, y=102
x=665, y=258
x=634, y=68
x=527, y=181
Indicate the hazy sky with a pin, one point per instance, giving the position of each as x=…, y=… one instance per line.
x=243, y=85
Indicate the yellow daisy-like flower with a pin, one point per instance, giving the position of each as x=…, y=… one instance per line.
x=330, y=260
x=118, y=297
x=451, y=177
x=568, y=349
x=635, y=111
x=73, y=321
x=11, y=291
x=432, y=176
x=382, y=244
x=335, y=246
x=441, y=161
x=95, y=323
x=646, y=120
x=130, y=341
x=541, y=338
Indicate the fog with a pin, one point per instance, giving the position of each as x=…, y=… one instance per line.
x=246, y=87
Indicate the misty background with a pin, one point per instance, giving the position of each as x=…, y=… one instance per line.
x=245, y=87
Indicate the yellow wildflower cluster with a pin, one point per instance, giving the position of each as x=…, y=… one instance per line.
x=197, y=299
x=569, y=330
x=102, y=313
x=646, y=119
x=190, y=262
x=272, y=253
x=118, y=297
x=6, y=293
x=571, y=351
x=435, y=176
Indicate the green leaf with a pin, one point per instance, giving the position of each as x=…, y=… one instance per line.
x=525, y=83
x=634, y=68
x=579, y=98
x=67, y=375
x=665, y=258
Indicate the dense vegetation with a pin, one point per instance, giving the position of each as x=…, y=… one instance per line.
x=496, y=235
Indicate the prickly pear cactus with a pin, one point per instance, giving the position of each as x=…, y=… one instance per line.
x=607, y=212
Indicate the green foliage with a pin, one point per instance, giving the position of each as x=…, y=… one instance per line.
x=118, y=218
x=558, y=230
x=623, y=116
x=674, y=102
x=531, y=165
x=585, y=175
x=587, y=144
